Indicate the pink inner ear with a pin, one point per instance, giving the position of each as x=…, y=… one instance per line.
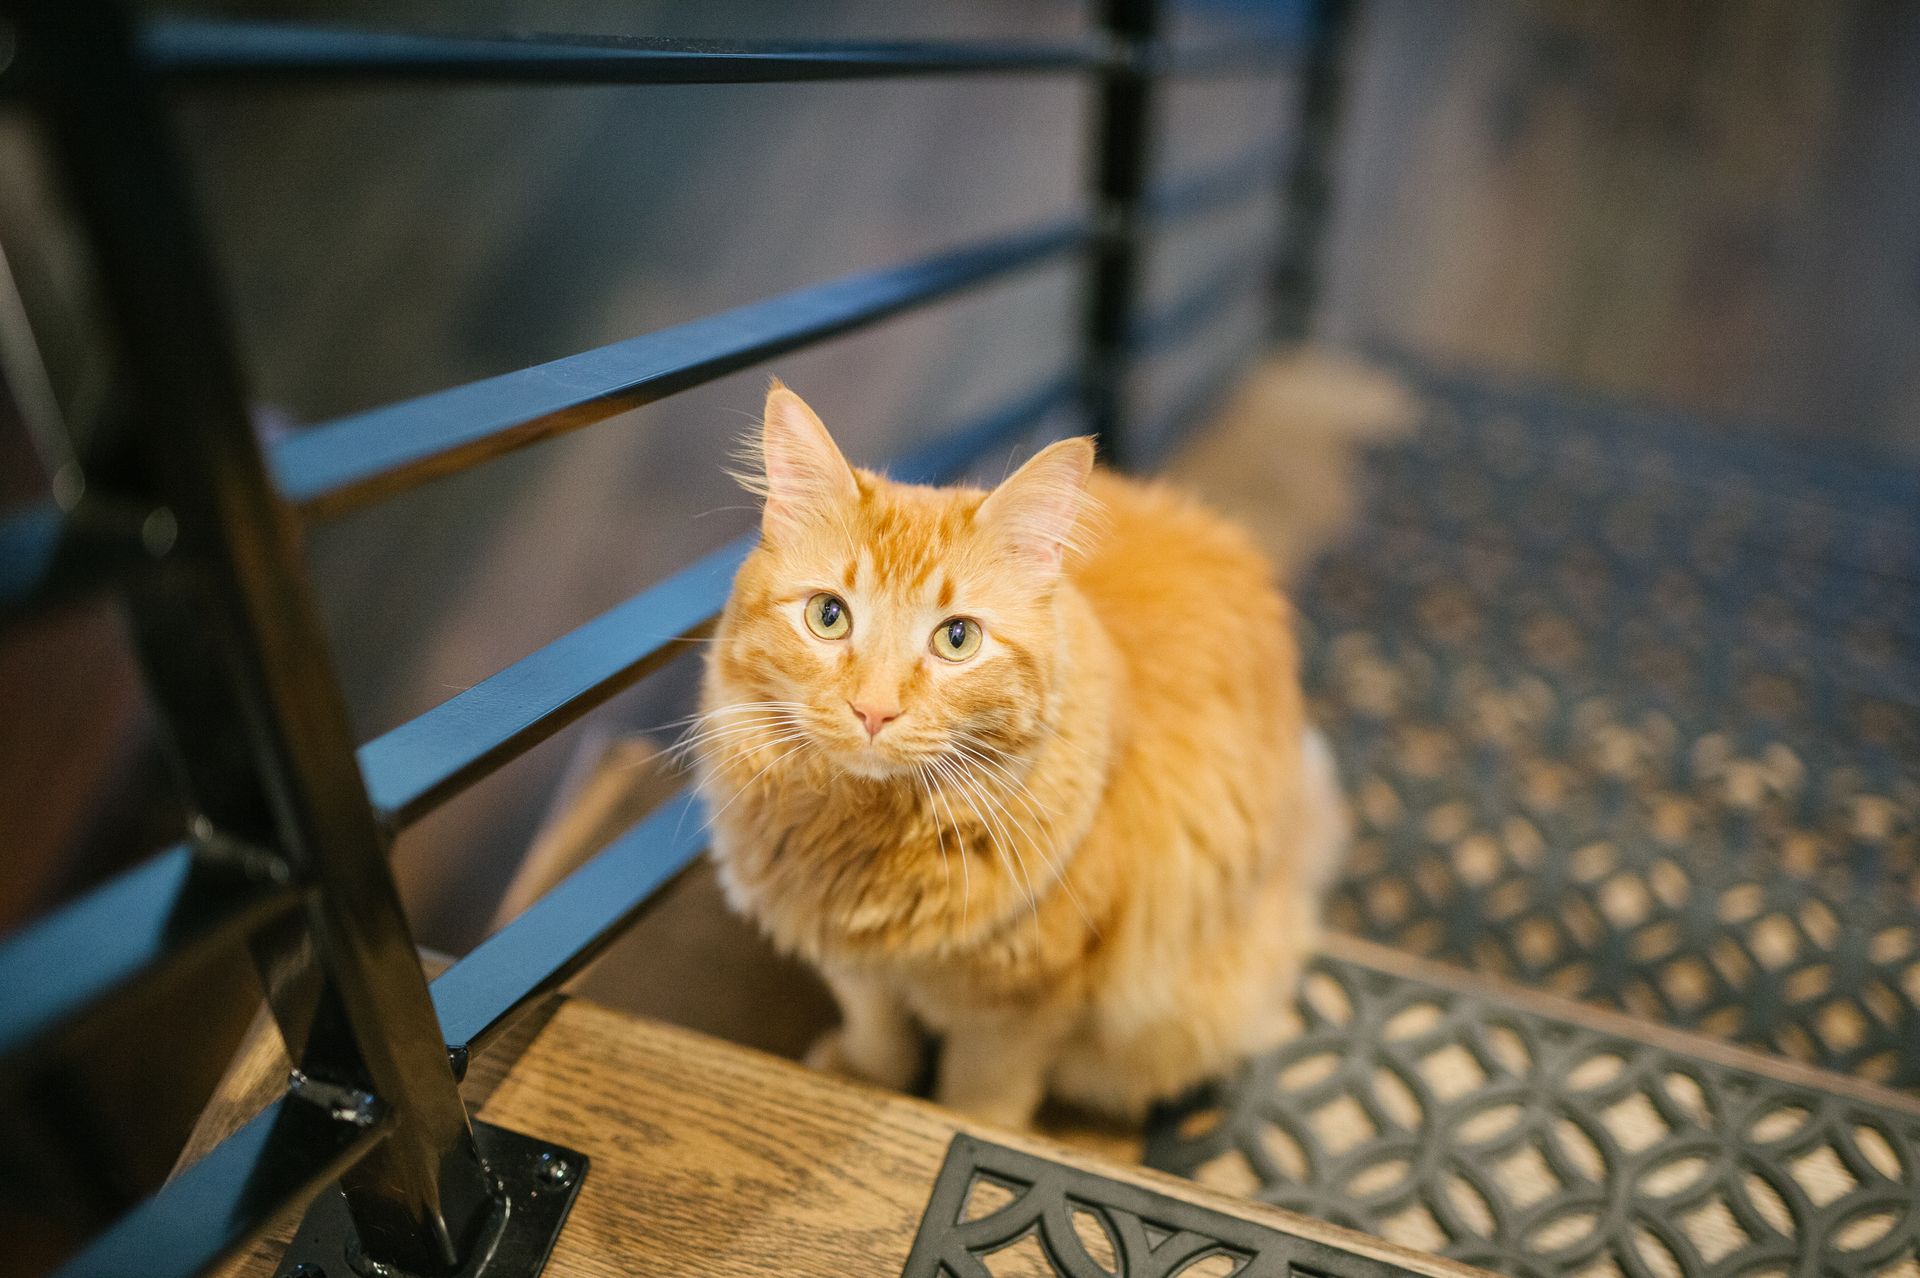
x=805, y=473
x=1038, y=507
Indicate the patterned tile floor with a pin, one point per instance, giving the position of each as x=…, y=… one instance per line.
x=1535, y=1147
x=1631, y=714
x=1636, y=723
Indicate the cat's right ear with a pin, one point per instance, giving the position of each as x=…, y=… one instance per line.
x=1036, y=509
x=804, y=478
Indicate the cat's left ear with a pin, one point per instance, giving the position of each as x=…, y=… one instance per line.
x=1037, y=508
x=806, y=477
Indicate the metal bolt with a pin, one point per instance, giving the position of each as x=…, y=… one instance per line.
x=554, y=1172
x=305, y=1270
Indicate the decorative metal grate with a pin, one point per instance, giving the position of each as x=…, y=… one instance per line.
x=1644, y=737
x=999, y=1213
x=1543, y=1149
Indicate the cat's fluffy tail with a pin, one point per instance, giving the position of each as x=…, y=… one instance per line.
x=1326, y=828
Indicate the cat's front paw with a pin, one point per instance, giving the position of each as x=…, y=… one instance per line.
x=892, y=1066
x=1012, y=1112
x=829, y=1055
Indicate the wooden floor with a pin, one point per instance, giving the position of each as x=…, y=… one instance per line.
x=713, y=1159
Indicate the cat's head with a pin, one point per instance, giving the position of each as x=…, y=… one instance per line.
x=884, y=624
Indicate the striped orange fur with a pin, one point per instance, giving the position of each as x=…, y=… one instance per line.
x=1088, y=855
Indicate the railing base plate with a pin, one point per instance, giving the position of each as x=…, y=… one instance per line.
x=537, y=1182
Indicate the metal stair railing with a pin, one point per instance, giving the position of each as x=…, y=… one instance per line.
x=172, y=501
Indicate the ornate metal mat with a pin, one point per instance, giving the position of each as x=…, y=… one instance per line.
x=999, y=1213
x=1544, y=1149
x=1634, y=714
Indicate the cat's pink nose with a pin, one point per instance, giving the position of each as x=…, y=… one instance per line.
x=874, y=717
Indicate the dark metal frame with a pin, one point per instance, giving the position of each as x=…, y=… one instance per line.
x=1519, y=1151
x=183, y=509
x=1148, y=1234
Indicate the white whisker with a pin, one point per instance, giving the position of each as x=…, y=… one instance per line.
x=774, y=715
x=802, y=743
x=796, y=735
x=1028, y=799
x=771, y=722
x=966, y=872
x=975, y=789
x=1019, y=789
x=946, y=866
x=730, y=708
x=945, y=768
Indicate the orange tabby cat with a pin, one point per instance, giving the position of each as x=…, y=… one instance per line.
x=1026, y=768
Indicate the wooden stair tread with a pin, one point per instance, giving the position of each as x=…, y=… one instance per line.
x=712, y=1159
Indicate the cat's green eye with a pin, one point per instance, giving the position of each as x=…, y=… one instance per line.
x=956, y=638
x=827, y=616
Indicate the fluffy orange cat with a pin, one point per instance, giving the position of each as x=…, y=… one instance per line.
x=1026, y=768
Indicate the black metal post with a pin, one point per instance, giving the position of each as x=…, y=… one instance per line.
x=234, y=651
x=1122, y=134
x=1307, y=194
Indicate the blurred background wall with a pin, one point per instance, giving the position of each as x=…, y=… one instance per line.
x=1709, y=203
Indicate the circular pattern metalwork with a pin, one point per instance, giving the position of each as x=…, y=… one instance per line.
x=999, y=1213
x=1634, y=715
x=1544, y=1149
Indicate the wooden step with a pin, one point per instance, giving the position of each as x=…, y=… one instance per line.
x=712, y=1159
